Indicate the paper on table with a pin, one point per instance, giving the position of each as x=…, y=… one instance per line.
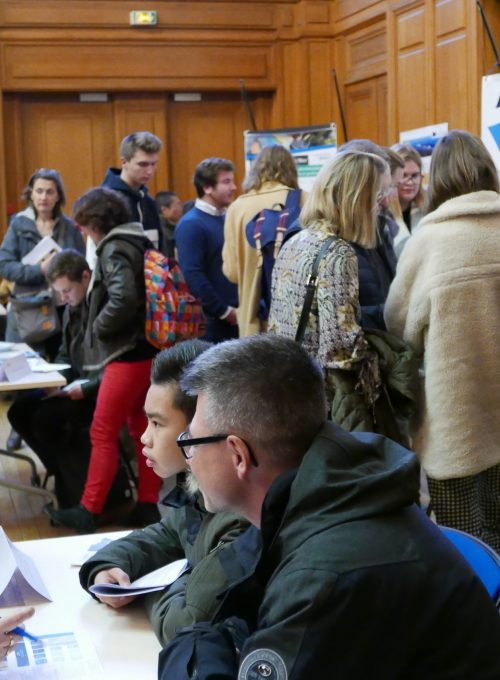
x=155, y=580
x=42, y=249
x=55, y=656
x=15, y=368
x=39, y=365
x=20, y=581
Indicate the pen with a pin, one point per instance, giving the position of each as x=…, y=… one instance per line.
x=24, y=633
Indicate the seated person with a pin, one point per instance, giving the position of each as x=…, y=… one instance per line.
x=57, y=428
x=353, y=580
x=187, y=530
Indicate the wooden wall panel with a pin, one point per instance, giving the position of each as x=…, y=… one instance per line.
x=410, y=82
x=452, y=88
x=140, y=66
x=76, y=139
x=197, y=130
x=115, y=13
x=365, y=53
x=319, y=59
x=366, y=110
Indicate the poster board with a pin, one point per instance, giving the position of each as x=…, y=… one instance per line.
x=490, y=116
x=312, y=147
x=424, y=140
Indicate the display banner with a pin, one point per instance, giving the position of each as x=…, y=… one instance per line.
x=424, y=140
x=490, y=116
x=312, y=147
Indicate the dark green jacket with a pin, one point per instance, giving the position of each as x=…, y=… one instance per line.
x=187, y=530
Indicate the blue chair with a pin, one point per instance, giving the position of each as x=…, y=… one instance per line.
x=483, y=559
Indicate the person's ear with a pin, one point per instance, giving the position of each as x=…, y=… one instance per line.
x=240, y=456
x=86, y=276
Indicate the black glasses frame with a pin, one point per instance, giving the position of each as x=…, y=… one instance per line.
x=200, y=441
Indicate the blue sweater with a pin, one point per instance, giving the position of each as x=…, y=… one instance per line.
x=199, y=238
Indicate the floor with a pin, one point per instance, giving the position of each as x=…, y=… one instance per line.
x=21, y=514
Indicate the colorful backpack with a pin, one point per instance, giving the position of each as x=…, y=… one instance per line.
x=172, y=313
x=266, y=232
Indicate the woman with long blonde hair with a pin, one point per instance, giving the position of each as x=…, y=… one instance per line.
x=343, y=205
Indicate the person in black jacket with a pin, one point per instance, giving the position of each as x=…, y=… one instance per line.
x=55, y=422
x=347, y=577
x=115, y=343
x=139, y=153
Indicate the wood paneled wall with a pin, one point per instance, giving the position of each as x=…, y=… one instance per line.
x=400, y=64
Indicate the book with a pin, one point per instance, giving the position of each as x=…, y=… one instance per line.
x=155, y=580
x=43, y=249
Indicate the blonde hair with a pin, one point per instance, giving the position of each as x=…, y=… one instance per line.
x=408, y=153
x=344, y=195
x=273, y=164
x=395, y=162
x=461, y=164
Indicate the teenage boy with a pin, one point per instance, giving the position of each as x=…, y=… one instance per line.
x=57, y=428
x=187, y=530
x=139, y=153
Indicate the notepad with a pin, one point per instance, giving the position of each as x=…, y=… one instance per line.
x=47, y=246
x=155, y=580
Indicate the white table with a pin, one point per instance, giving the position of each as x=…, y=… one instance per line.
x=30, y=382
x=123, y=638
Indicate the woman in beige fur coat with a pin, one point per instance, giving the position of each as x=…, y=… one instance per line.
x=445, y=302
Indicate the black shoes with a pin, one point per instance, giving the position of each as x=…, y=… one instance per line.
x=14, y=441
x=78, y=518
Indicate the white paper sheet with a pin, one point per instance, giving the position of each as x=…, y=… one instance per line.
x=155, y=580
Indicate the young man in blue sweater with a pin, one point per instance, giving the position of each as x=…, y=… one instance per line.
x=199, y=239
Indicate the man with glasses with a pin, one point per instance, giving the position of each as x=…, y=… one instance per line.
x=347, y=577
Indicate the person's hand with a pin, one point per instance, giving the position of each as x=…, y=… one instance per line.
x=44, y=264
x=9, y=640
x=114, y=575
x=54, y=392
x=75, y=392
x=231, y=318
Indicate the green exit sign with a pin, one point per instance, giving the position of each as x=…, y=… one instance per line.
x=143, y=18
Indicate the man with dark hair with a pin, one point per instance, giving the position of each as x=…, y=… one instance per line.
x=57, y=428
x=186, y=530
x=170, y=209
x=347, y=577
x=199, y=240
x=139, y=154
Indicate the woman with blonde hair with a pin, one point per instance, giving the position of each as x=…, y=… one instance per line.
x=270, y=180
x=342, y=206
x=410, y=193
x=444, y=302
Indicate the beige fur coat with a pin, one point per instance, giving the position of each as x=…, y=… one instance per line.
x=445, y=302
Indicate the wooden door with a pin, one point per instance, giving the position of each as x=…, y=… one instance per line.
x=75, y=138
x=366, y=110
x=213, y=126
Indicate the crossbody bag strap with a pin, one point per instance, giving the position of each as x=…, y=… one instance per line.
x=312, y=284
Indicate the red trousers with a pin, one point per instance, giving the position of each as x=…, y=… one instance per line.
x=120, y=400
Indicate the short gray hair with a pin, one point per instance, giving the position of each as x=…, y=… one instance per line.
x=265, y=389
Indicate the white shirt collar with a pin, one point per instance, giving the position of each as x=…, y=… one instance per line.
x=208, y=208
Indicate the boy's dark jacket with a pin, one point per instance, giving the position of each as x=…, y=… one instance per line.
x=187, y=530
x=354, y=581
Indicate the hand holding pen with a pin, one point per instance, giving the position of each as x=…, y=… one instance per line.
x=11, y=632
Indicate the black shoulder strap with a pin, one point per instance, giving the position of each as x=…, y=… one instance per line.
x=312, y=283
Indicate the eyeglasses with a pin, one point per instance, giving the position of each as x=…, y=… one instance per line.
x=415, y=177
x=185, y=444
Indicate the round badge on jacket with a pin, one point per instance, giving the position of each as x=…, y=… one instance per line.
x=263, y=664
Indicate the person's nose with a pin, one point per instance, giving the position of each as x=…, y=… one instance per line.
x=144, y=436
